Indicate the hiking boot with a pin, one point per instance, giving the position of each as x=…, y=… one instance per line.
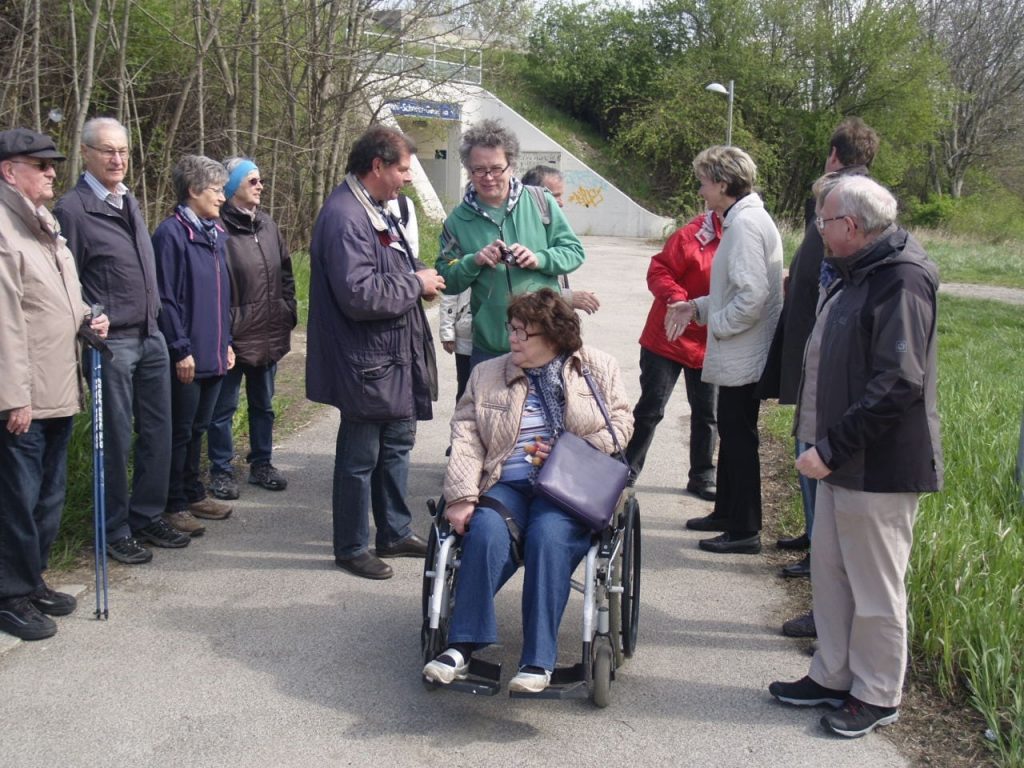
x=807, y=693
x=856, y=718
x=128, y=551
x=208, y=509
x=51, y=602
x=449, y=666
x=800, y=626
x=529, y=680
x=19, y=617
x=223, y=486
x=183, y=521
x=160, y=533
x=267, y=476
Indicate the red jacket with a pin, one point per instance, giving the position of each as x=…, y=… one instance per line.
x=682, y=271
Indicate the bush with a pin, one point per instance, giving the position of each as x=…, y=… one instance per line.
x=934, y=213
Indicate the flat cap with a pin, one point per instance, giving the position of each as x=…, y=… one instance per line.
x=22, y=141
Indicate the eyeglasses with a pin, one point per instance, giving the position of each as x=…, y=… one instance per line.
x=820, y=222
x=256, y=182
x=109, y=153
x=494, y=171
x=519, y=334
x=39, y=165
x=216, y=190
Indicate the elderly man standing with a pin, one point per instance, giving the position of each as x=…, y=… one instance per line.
x=109, y=238
x=370, y=352
x=41, y=310
x=263, y=313
x=877, y=448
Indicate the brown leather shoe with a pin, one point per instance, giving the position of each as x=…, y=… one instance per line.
x=411, y=546
x=209, y=509
x=366, y=565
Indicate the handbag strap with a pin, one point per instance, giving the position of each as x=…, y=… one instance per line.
x=604, y=412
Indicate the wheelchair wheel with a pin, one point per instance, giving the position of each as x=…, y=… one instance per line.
x=601, y=691
x=631, y=560
x=428, y=564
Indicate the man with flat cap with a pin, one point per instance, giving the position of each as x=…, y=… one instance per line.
x=41, y=310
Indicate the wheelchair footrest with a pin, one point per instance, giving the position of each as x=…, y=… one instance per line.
x=484, y=679
x=566, y=683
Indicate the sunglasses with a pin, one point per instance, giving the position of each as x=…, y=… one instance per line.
x=40, y=165
x=256, y=182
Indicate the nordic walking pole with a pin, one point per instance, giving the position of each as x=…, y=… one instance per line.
x=99, y=504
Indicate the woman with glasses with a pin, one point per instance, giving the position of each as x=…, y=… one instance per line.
x=498, y=242
x=195, y=319
x=740, y=312
x=503, y=429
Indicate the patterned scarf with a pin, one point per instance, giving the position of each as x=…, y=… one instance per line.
x=207, y=226
x=547, y=382
x=515, y=191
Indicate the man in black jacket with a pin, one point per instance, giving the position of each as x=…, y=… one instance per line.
x=107, y=234
x=877, y=448
x=263, y=314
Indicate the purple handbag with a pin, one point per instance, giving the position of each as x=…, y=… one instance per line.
x=582, y=480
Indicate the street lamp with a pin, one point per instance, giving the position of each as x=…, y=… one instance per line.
x=719, y=88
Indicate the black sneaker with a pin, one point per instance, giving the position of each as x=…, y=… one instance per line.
x=160, y=534
x=128, y=551
x=52, y=603
x=223, y=486
x=267, y=476
x=19, y=617
x=807, y=693
x=856, y=718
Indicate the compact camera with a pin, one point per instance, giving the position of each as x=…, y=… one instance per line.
x=508, y=257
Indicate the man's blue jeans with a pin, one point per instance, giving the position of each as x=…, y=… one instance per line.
x=371, y=471
x=191, y=408
x=554, y=544
x=136, y=404
x=33, y=479
x=808, y=488
x=259, y=394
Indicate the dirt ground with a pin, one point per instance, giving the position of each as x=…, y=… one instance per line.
x=931, y=731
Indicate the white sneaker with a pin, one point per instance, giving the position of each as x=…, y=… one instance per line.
x=447, y=667
x=529, y=682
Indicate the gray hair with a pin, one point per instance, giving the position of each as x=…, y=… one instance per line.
x=730, y=165
x=233, y=162
x=536, y=176
x=196, y=172
x=823, y=186
x=491, y=134
x=94, y=125
x=866, y=201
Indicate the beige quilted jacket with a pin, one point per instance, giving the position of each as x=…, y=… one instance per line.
x=486, y=421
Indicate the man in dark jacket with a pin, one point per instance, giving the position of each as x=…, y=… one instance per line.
x=851, y=151
x=370, y=351
x=877, y=448
x=263, y=313
x=108, y=236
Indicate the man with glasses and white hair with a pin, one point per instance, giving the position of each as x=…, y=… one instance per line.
x=41, y=310
x=107, y=233
x=497, y=241
x=877, y=449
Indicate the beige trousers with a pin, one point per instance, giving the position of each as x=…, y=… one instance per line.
x=860, y=547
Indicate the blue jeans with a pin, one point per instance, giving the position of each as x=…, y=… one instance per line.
x=191, y=410
x=33, y=479
x=136, y=404
x=658, y=377
x=371, y=471
x=554, y=545
x=808, y=489
x=259, y=394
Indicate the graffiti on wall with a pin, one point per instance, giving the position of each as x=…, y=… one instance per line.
x=587, y=188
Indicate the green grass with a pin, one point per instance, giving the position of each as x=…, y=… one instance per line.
x=966, y=576
x=963, y=260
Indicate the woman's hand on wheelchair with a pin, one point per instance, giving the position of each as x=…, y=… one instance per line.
x=458, y=514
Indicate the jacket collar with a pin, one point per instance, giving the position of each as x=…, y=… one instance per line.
x=93, y=204
x=238, y=220
x=747, y=202
x=513, y=372
x=373, y=213
x=39, y=220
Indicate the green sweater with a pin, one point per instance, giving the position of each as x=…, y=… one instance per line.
x=465, y=232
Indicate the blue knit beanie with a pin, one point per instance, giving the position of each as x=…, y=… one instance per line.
x=237, y=176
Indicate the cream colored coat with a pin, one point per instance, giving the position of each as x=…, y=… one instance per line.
x=40, y=310
x=745, y=299
x=487, y=419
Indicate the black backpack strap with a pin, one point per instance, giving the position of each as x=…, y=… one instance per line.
x=513, y=527
x=403, y=208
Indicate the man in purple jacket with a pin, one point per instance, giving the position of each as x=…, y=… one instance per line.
x=370, y=352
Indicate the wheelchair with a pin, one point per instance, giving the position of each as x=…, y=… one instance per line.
x=611, y=608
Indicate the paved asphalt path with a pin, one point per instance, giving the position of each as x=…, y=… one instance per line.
x=250, y=648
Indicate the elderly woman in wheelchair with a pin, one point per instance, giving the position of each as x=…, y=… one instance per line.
x=503, y=430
